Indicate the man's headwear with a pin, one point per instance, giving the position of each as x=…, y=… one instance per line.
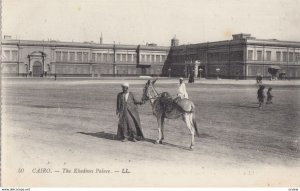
x=125, y=84
x=180, y=78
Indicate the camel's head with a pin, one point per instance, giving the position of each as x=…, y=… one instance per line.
x=149, y=91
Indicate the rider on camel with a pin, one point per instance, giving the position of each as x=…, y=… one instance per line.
x=182, y=90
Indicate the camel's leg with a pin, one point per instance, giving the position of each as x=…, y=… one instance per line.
x=162, y=129
x=192, y=130
x=189, y=123
x=159, y=129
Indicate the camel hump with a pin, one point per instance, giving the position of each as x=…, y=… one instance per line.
x=185, y=104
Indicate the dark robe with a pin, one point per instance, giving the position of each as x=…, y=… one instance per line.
x=129, y=125
x=191, y=78
x=260, y=95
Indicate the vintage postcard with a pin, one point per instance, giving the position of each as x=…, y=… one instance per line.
x=150, y=93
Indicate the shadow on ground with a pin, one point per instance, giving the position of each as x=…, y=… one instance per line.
x=247, y=106
x=113, y=137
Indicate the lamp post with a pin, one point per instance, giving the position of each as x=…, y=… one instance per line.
x=169, y=70
x=217, y=71
x=26, y=70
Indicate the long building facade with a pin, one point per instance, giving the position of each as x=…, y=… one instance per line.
x=44, y=58
x=242, y=57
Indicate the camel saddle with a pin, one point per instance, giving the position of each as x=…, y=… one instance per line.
x=169, y=104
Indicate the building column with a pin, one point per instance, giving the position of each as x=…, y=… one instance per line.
x=206, y=61
x=91, y=70
x=29, y=65
x=43, y=59
x=53, y=68
x=196, y=68
x=114, y=69
x=245, y=56
x=18, y=69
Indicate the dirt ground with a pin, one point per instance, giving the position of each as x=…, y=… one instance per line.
x=68, y=124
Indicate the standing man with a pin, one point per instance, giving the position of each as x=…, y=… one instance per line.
x=182, y=90
x=258, y=79
x=260, y=95
x=191, y=78
x=129, y=126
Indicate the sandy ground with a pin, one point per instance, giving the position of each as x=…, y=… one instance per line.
x=71, y=123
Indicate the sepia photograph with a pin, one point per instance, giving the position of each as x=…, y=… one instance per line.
x=150, y=94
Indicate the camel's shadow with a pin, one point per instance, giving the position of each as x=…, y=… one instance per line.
x=113, y=137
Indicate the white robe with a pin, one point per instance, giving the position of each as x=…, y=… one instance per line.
x=182, y=91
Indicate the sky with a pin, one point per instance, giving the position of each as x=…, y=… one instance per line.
x=152, y=21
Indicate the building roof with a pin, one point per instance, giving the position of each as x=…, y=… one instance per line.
x=274, y=42
x=160, y=48
x=79, y=45
x=241, y=39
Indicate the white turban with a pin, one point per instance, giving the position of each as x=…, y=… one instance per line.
x=125, y=84
x=180, y=78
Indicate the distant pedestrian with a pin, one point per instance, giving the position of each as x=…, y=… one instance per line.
x=260, y=95
x=191, y=78
x=258, y=79
x=54, y=76
x=269, y=96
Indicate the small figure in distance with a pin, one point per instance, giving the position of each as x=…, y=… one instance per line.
x=191, y=78
x=269, y=96
x=260, y=95
x=259, y=79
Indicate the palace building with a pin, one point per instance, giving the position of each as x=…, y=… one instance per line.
x=44, y=58
x=241, y=57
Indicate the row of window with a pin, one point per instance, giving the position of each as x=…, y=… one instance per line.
x=238, y=55
x=280, y=56
x=131, y=58
x=10, y=55
x=147, y=58
x=105, y=57
x=216, y=56
x=72, y=56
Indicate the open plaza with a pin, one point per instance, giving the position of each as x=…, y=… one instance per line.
x=70, y=123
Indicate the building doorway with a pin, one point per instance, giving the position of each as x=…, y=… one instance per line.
x=37, y=69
